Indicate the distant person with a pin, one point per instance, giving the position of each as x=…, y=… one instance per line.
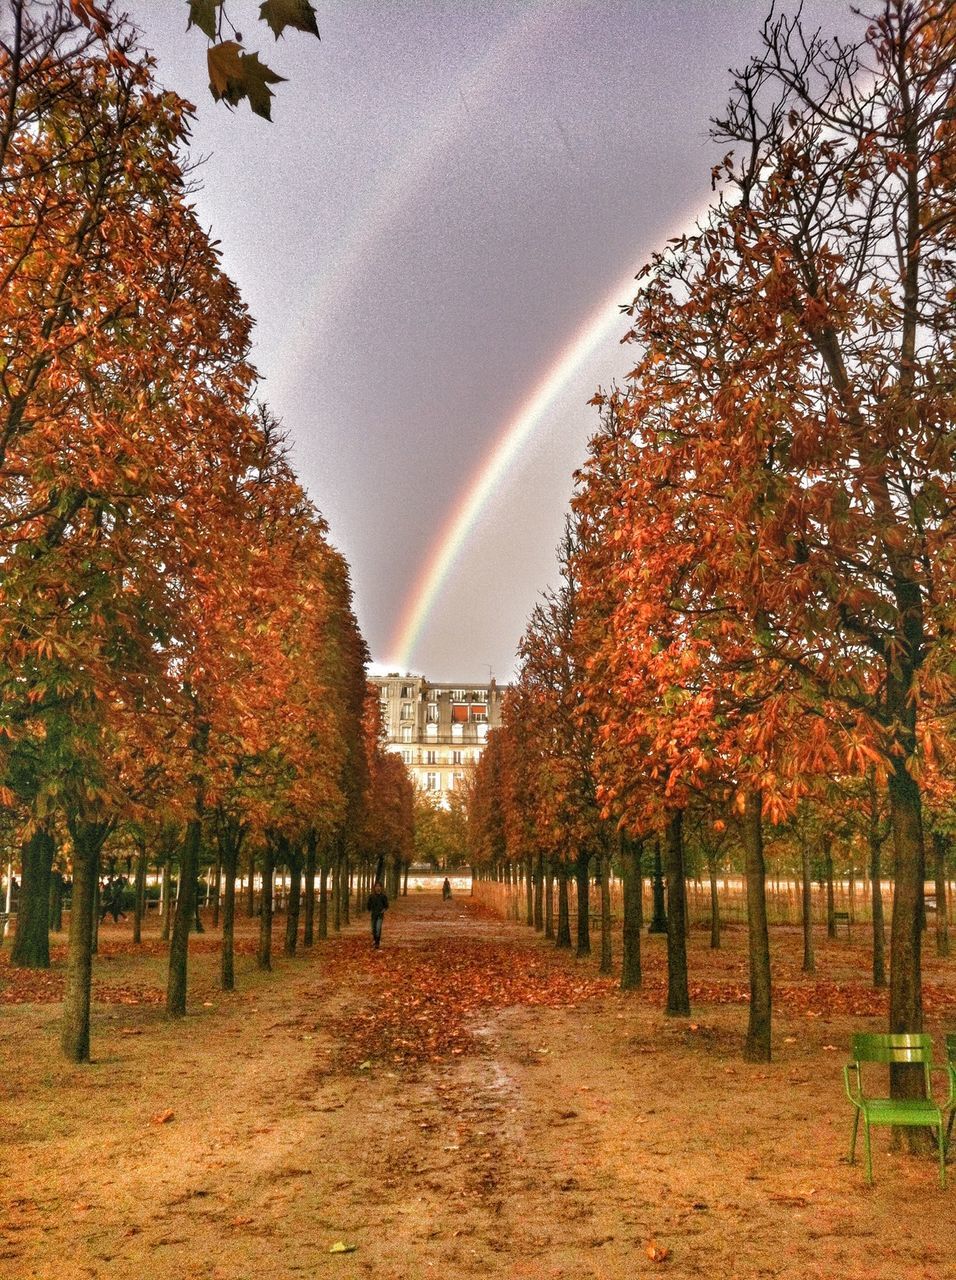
x=113, y=899
x=446, y=889
x=377, y=905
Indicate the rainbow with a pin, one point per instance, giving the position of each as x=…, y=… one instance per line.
x=453, y=536
x=403, y=180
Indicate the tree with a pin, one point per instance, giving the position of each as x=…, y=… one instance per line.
x=789, y=414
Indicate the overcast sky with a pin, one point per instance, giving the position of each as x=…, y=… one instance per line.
x=447, y=193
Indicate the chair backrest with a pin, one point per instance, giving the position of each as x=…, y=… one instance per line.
x=951, y=1048
x=898, y=1047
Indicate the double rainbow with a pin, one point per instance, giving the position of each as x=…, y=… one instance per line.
x=453, y=536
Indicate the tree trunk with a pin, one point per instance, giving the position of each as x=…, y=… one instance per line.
x=346, y=896
x=167, y=897
x=251, y=883
x=227, y=965
x=264, y=955
x=658, y=914
x=940, y=842
x=809, y=963
x=56, y=902
x=197, y=896
x=75, y=1018
x=216, y=890
x=828, y=873
x=139, y=892
x=563, y=939
x=323, y=900
x=539, y=892
x=714, y=901
x=548, y=900
x=31, y=942
x=876, y=887
x=337, y=889
x=631, y=850
x=295, y=898
x=757, y=1048
x=583, y=890
x=185, y=911
x=678, y=995
x=906, y=985
x=308, y=931
x=605, y=869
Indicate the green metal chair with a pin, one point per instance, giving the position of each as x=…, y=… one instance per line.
x=916, y=1050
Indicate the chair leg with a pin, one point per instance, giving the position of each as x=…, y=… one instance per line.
x=869, y=1153
x=856, y=1125
x=942, y=1158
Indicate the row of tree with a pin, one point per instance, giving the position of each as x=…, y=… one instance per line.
x=180, y=661
x=756, y=615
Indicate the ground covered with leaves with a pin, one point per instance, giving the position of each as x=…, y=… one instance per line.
x=463, y=1102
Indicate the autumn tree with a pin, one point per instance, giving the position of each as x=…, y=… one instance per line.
x=788, y=421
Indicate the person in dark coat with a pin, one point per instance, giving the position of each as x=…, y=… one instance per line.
x=111, y=896
x=377, y=906
x=446, y=889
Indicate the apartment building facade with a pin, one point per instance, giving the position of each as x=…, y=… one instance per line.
x=439, y=730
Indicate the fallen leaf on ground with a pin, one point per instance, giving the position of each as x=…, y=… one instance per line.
x=164, y=1117
x=341, y=1247
x=657, y=1252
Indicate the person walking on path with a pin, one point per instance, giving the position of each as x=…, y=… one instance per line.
x=446, y=889
x=112, y=897
x=377, y=906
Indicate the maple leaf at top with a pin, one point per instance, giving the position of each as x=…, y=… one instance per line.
x=202, y=14
x=280, y=14
x=256, y=78
x=234, y=75
x=225, y=71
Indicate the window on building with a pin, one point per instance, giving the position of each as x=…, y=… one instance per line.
x=457, y=732
x=407, y=691
x=406, y=733
x=458, y=779
x=431, y=730
x=482, y=732
x=406, y=757
x=432, y=782
x=456, y=757
x=408, y=711
x=431, y=757
x=479, y=713
x=458, y=695
x=479, y=695
x=431, y=713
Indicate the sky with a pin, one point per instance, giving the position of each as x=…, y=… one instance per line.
x=435, y=236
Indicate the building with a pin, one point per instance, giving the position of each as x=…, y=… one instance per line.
x=439, y=730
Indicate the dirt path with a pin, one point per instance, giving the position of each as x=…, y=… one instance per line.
x=463, y=1102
